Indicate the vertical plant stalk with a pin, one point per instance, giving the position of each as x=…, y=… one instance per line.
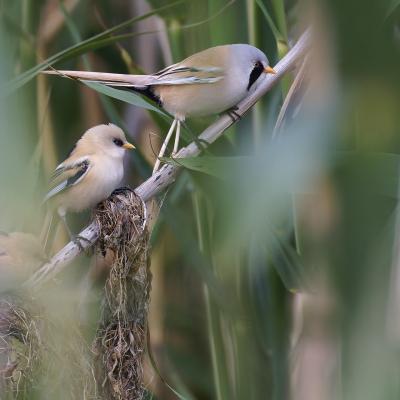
x=215, y=335
x=52, y=21
x=26, y=54
x=165, y=45
x=393, y=310
x=252, y=34
x=293, y=91
x=46, y=131
x=279, y=9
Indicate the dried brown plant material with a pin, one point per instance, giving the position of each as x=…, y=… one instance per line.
x=20, y=346
x=121, y=337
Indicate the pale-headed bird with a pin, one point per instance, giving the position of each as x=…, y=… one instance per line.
x=92, y=171
x=21, y=254
x=209, y=82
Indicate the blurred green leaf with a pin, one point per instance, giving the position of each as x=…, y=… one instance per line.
x=214, y=314
x=217, y=348
x=392, y=7
x=270, y=316
x=279, y=9
x=183, y=11
x=14, y=28
x=380, y=170
x=384, y=168
x=124, y=95
x=287, y=263
x=219, y=167
x=274, y=29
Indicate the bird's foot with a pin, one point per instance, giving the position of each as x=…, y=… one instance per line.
x=159, y=164
x=157, y=168
x=77, y=239
x=203, y=142
x=233, y=114
x=121, y=190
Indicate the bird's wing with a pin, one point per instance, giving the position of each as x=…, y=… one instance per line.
x=176, y=74
x=67, y=175
x=179, y=74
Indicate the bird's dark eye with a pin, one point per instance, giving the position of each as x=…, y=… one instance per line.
x=118, y=142
x=255, y=73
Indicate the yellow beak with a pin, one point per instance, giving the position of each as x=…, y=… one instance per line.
x=269, y=70
x=128, y=146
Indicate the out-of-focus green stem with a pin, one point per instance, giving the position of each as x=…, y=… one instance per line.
x=251, y=21
x=212, y=327
x=279, y=10
x=226, y=32
x=215, y=335
x=26, y=24
x=175, y=39
x=252, y=34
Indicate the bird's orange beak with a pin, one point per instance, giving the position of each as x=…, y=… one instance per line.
x=269, y=70
x=128, y=146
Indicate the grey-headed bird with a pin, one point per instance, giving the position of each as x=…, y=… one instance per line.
x=92, y=171
x=209, y=82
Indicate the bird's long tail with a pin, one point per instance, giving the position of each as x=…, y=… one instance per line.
x=122, y=80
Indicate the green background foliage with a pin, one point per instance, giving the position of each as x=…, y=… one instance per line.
x=259, y=233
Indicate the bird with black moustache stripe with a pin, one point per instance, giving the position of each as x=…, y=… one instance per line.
x=209, y=82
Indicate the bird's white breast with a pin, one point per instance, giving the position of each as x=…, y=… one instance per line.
x=101, y=180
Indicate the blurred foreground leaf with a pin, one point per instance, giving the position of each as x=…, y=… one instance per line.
x=287, y=263
x=381, y=171
x=392, y=7
x=219, y=167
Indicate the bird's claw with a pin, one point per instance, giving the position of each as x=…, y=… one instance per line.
x=78, y=241
x=121, y=190
x=233, y=114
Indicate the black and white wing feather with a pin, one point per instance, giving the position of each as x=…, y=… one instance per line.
x=67, y=175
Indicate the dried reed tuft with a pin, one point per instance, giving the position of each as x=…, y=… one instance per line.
x=121, y=336
x=20, y=346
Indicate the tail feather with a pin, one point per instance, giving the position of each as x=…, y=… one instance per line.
x=124, y=80
x=180, y=76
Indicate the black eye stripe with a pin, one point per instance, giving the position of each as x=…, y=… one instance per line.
x=255, y=74
x=118, y=142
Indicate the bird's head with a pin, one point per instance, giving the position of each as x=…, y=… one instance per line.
x=107, y=139
x=253, y=64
